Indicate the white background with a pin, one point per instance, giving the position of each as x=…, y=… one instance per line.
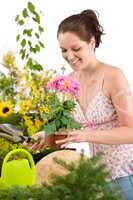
x=115, y=16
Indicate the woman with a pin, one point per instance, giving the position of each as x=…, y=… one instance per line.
x=104, y=105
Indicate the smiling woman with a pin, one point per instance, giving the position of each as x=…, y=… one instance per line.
x=105, y=115
x=107, y=124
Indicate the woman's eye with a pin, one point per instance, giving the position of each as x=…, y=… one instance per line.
x=77, y=49
x=63, y=50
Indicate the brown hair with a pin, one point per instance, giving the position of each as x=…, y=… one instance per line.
x=85, y=25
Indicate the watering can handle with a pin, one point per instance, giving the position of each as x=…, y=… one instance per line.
x=29, y=156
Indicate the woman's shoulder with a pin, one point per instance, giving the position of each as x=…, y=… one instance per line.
x=113, y=74
x=111, y=71
x=115, y=79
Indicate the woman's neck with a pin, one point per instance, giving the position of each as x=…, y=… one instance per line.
x=92, y=70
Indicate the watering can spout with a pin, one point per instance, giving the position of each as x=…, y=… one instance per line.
x=20, y=171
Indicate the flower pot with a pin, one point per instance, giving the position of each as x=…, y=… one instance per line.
x=49, y=141
x=59, y=136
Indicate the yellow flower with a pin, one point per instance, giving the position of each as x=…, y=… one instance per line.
x=31, y=129
x=44, y=109
x=45, y=98
x=25, y=105
x=35, y=91
x=32, y=125
x=6, y=108
x=45, y=121
x=9, y=59
x=38, y=123
x=27, y=120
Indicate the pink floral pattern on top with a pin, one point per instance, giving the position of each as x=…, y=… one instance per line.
x=101, y=115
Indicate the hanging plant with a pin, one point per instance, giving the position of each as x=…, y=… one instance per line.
x=29, y=37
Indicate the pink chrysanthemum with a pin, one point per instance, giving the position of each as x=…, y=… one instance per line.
x=64, y=84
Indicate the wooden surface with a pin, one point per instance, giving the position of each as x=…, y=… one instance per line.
x=47, y=166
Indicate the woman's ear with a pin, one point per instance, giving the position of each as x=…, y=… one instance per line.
x=92, y=43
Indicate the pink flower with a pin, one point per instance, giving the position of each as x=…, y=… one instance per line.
x=64, y=84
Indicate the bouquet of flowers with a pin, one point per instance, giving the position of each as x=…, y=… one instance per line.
x=35, y=102
x=33, y=99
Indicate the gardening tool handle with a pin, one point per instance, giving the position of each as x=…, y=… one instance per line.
x=28, y=155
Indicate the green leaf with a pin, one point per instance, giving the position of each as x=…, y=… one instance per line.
x=41, y=29
x=29, y=43
x=37, y=19
x=27, y=56
x=37, y=47
x=22, y=53
x=37, y=35
x=41, y=44
x=73, y=124
x=31, y=7
x=13, y=119
x=30, y=63
x=64, y=120
x=66, y=113
x=21, y=22
x=27, y=32
x=24, y=31
x=37, y=67
x=58, y=123
x=25, y=13
x=49, y=128
x=18, y=37
x=23, y=43
x=69, y=105
x=33, y=49
x=17, y=18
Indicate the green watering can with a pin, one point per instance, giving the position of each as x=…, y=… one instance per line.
x=18, y=172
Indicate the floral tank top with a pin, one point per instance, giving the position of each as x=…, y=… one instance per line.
x=101, y=115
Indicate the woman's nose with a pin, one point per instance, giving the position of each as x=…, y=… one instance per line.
x=70, y=55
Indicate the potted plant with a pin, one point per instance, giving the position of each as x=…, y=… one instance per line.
x=31, y=98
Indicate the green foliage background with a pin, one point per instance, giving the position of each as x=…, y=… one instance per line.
x=85, y=181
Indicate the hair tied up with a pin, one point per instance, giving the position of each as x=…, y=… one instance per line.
x=85, y=25
x=90, y=13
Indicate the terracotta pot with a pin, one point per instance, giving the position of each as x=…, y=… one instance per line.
x=51, y=139
x=59, y=137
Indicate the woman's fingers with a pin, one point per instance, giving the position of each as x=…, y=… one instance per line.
x=39, y=141
x=39, y=135
x=36, y=146
x=66, y=140
x=71, y=137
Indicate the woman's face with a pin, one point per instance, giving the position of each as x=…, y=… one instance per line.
x=76, y=52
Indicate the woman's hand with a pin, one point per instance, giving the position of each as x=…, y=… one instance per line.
x=74, y=136
x=39, y=141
